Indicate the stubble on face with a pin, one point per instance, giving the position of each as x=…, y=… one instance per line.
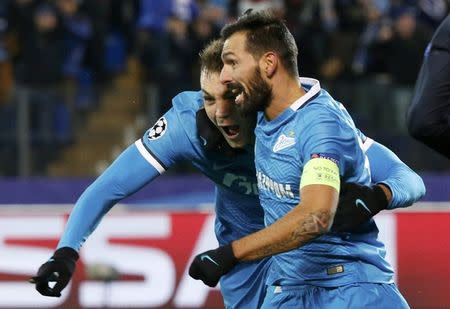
x=257, y=97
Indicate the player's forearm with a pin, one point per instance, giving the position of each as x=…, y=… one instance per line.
x=84, y=217
x=128, y=173
x=295, y=229
x=312, y=218
x=407, y=188
x=387, y=169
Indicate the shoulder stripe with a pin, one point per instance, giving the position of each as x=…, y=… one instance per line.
x=149, y=156
x=366, y=144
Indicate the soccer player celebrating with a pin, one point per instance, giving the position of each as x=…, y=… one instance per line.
x=429, y=113
x=205, y=128
x=305, y=143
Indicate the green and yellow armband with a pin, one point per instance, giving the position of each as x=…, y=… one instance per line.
x=320, y=171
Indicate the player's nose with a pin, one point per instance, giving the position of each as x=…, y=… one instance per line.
x=225, y=75
x=223, y=109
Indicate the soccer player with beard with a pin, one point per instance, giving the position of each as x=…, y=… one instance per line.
x=305, y=144
x=206, y=129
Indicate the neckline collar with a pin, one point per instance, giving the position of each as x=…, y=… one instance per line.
x=314, y=90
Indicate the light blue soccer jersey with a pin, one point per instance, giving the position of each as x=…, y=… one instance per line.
x=175, y=138
x=172, y=139
x=316, y=126
x=238, y=211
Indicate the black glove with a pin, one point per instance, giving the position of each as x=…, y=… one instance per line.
x=357, y=204
x=59, y=268
x=209, y=266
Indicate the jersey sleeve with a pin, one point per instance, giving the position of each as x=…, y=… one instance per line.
x=126, y=175
x=325, y=136
x=168, y=141
x=162, y=145
x=388, y=169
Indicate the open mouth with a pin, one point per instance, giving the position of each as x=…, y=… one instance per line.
x=238, y=93
x=231, y=131
x=239, y=98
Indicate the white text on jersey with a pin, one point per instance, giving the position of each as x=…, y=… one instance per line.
x=279, y=189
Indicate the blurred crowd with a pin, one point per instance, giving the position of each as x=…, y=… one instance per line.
x=59, y=53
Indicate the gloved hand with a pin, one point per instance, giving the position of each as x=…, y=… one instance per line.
x=357, y=204
x=59, y=268
x=209, y=266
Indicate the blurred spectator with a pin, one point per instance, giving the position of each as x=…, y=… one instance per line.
x=238, y=7
x=304, y=19
x=164, y=47
x=114, y=36
x=95, y=14
x=203, y=28
x=399, y=47
x=40, y=69
x=21, y=18
x=77, y=32
x=397, y=53
x=329, y=39
x=375, y=12
x=152, y=43
x=213, y=11
x=368, y=51
x=42, y=54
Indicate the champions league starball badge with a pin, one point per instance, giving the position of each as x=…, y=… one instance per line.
x=158, y=129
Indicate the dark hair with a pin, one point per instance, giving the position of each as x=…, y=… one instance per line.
x=210, y=57
x=265, y=32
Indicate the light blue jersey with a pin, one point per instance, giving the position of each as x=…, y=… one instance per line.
x=316, y=126
x=237, y=204
x=174, y=138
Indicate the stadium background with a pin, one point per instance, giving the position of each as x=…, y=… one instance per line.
x=80, y=80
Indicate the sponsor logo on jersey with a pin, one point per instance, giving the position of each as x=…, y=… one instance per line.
x=329, y=156
x=158, y=129
x=283, y=142
x=265, y=183
x=239, y=183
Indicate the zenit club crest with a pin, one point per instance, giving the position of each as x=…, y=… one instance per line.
x=158, y=129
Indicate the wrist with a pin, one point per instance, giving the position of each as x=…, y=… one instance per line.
x=383, y=195
x=66, y=253
x=227, y=253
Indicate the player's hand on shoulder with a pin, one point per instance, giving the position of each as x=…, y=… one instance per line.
x=357, y=204
x=59, y=268
x=209, y=266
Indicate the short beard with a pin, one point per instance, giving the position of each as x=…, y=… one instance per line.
x=258, y=97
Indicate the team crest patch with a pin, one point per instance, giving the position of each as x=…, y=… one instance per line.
x=283, y=141
x=158, y=129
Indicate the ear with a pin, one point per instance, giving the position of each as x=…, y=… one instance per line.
x=269, y=64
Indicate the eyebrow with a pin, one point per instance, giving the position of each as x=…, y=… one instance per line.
x=206, y=93
x=228, y=53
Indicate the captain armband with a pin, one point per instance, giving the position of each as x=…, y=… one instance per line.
x=320, y=171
